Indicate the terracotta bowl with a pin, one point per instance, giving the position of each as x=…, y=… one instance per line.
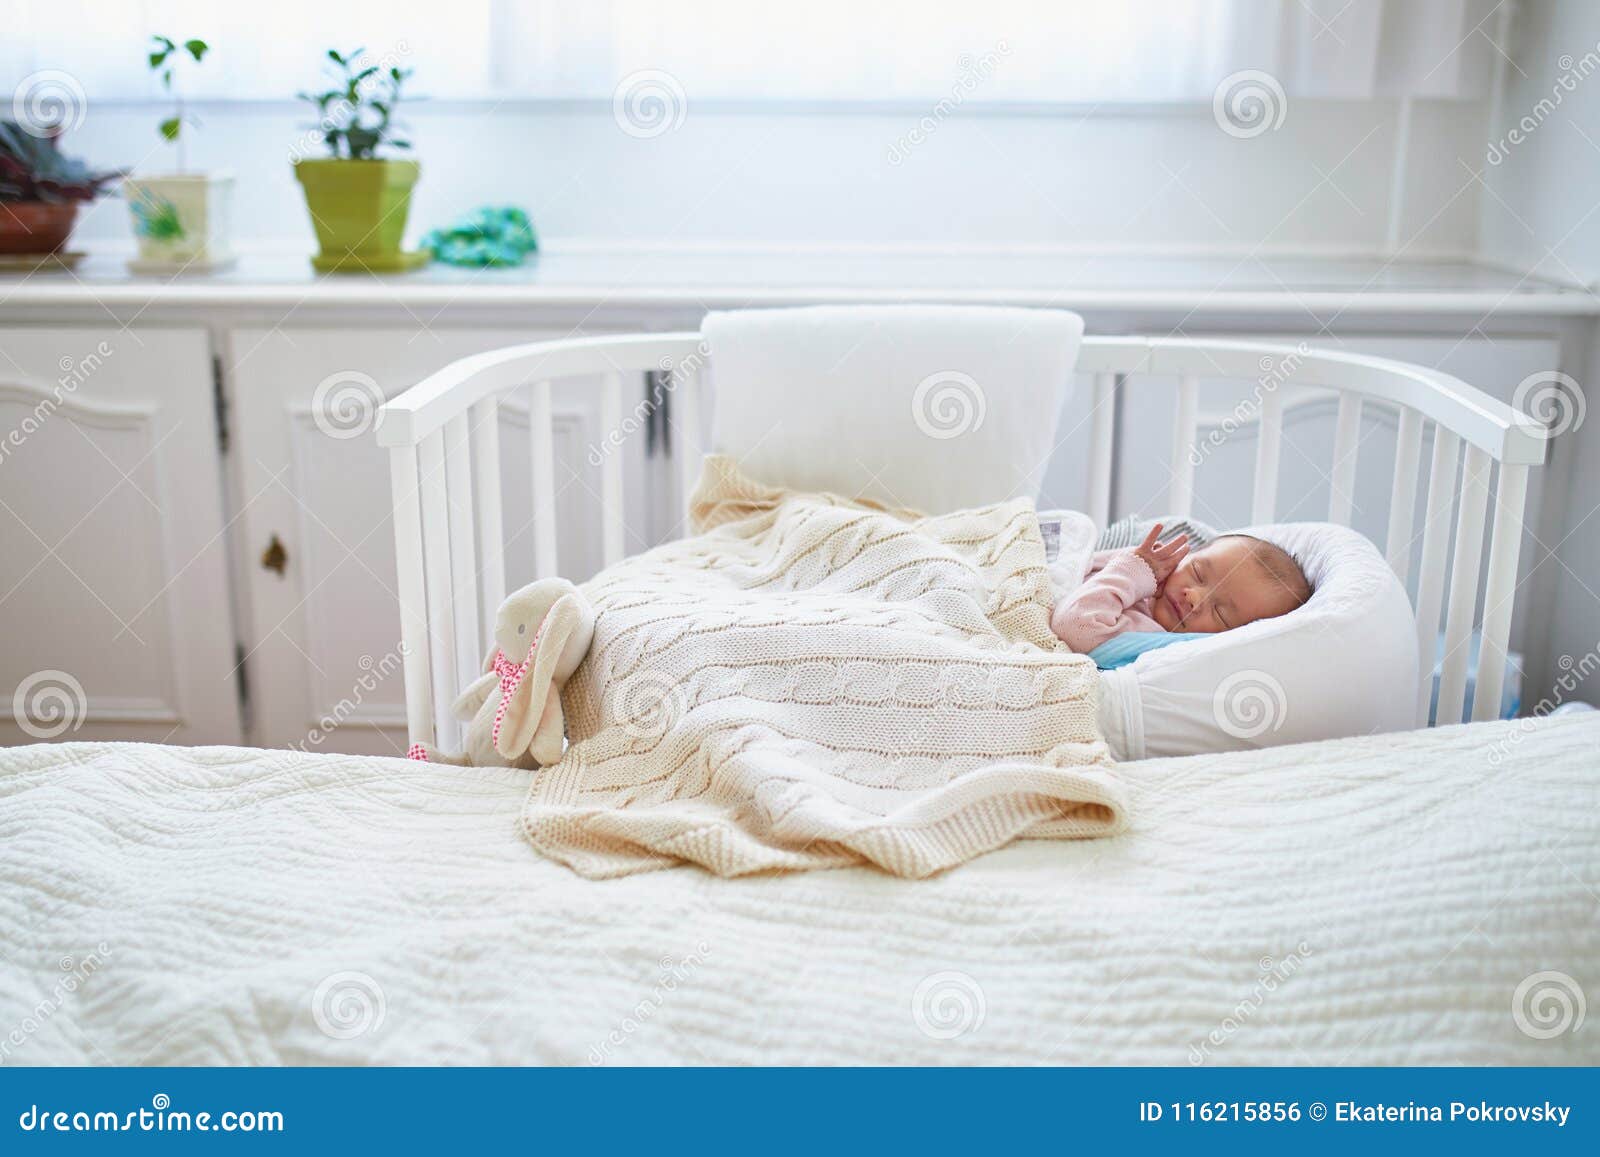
x=35, y=226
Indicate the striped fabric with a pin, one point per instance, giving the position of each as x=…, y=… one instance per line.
x=1129, y=532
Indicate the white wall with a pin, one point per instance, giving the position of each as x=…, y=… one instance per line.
x=1162, y=177
x=1542, y=210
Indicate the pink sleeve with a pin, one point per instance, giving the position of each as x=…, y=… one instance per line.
x=1098, y=609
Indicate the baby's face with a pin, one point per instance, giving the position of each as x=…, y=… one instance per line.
x=1220, y=588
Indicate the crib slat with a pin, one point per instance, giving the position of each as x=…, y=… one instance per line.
x=1346, y=444
x=1505, y=548
x=1463, y=585
x=1403, y=493
x=1269, y=449
x=542, y=451
x=1181, y=492
x=463, y=547
x=686, y=400
x=436, y=568
x=611, y=524
x=491, y=531
x=1102, y=442
x=411, y=589
x=1430, y=580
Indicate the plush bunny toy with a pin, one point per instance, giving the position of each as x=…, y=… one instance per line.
x=513, y=711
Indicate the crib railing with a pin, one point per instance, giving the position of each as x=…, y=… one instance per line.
x=443, y=439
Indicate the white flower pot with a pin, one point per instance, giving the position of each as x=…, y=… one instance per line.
x=183, y=222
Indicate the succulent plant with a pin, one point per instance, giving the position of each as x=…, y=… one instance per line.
x=32, y=168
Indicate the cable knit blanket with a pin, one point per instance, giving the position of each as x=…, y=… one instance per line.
x=813, y=682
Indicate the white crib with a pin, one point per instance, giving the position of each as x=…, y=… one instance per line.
x=443, y=439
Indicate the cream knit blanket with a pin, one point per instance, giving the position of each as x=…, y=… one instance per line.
x=813, y=682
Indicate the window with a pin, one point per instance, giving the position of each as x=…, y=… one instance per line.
x=1027, y=51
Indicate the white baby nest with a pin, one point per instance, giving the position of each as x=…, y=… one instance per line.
x=1344, y=664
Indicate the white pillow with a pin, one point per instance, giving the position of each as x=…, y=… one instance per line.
x=930, y=407
x=1343, y=664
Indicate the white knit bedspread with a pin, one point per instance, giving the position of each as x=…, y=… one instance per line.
x=1376, y=900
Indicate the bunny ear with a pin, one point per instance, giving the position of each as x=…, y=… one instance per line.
x=549, y=737
x=529, y=701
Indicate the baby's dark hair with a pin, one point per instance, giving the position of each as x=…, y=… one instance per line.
x=1280, y=565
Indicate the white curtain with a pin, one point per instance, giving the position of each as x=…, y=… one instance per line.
x=1086, y=51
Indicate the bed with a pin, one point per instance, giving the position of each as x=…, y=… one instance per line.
x=1421, y=898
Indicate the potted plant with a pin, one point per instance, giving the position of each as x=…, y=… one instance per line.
x=359, y=201
x=40, y=191
x=182, y=220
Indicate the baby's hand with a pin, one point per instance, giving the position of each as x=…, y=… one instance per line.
x=1162, y=557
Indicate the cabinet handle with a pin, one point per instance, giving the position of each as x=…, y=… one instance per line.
x=275, y=558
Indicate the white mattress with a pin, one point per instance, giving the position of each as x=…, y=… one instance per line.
x=245, y=906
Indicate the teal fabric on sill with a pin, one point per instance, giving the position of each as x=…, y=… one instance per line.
x=486, y=237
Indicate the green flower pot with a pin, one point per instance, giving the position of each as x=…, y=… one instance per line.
x=359, y=210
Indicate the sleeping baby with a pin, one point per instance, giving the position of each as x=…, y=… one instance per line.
x=1163, y=587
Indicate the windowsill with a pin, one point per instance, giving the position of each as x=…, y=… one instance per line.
x=730, y=276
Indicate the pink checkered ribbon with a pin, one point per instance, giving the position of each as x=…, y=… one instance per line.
x=418, y=752
x=511, y=677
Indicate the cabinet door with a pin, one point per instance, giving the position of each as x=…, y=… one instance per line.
x=113, y=581
x=322, y=632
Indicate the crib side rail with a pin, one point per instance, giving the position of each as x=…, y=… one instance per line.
x=443, y=436
x=1493, y=436
x=443, y=440
x=1499, y=430
x=429, y=404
